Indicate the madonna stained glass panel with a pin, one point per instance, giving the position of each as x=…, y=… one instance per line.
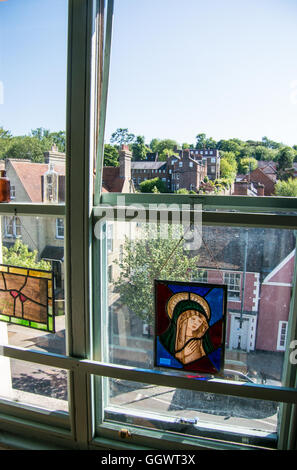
x=190, y=326
x=27, y=297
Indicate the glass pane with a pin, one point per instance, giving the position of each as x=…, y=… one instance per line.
x=32, y=300
x=190, y=98
x=261, y=263
x=33, y=99
x=33, y=384
x=193, y=413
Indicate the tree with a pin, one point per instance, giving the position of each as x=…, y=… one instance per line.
x=111, y=155
x=149, y=257
x=164, y=147
x=246, y=165
x=139, y=149
x=286, y=188
x=231, y=145
x=228, y=166
x=271, y=143
x=122, y=136
x=5, y=138
x=49, y=138
x=200, y=141
x=20, y=255
x=285, y=157
x=30, y=148
x=148, y=186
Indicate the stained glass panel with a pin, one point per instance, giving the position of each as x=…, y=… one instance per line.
x=190, y=326
x=26, y=297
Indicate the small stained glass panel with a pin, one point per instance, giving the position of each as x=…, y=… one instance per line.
x=26, y=297
x=190, y=326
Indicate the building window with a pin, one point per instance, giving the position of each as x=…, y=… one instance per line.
x=213, y=169
x=12, y=192
x=233, y=281
x=12, y=227
x=59, y=228
x=213, y=160
x=191, y=164
x=202, y=276
x=282, y=335
x=180, y=164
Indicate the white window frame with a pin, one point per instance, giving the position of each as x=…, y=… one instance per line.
x=60, y=228
x=12, y=227
x=234, y=290
x=282, y=330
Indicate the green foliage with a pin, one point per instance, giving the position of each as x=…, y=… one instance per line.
x=246, y=165
x=228, y=166
x=31, y=147
x=182, y=191
x=122, y=136
x=205, y=142
x=285, y=157
x=19, y=255
x=139, y=149
x=152, y=256
x=5, y=137
x=286, y=188
x=149, y=186
x=164, y=147
x=111, y=155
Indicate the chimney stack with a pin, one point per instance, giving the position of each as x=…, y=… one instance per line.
x=54, y=156
x=260, y=189
x=241, y=188
x=125, y=156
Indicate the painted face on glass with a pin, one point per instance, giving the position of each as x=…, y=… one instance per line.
x=195, y=321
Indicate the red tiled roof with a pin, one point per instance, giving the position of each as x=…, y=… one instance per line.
x=111, y=180
x=30, y=175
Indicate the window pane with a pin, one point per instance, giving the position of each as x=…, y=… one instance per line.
x=33, y=98
x=257, y=264
x=32, y=313
x=36, y=252
x=192, y=413
x=32, y=384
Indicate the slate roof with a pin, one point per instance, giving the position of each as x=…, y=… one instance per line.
x=224, y=248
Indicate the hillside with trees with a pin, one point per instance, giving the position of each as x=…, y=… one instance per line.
x=237, y=156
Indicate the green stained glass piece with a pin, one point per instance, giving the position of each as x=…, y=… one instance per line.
x=19, y=321
x=26, y=297
x=38, y=326
x=4, y=318
x=50, y=323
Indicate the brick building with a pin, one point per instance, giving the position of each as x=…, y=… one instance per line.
x=260, y=182
x=258, y=275
x=209, y=157
x=185, y=170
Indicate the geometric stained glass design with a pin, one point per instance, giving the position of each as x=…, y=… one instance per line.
x=190, y=326
x=27, y=297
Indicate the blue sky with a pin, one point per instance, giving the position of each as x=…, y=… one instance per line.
x=227, y=68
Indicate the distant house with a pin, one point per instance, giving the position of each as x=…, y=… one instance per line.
x=210, y=157
x=250, y=267
x=263, y=183
x=46, y=234
x=178, y=171
x=275, y=301
x=119, y=179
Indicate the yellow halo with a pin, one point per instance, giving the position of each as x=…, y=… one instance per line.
x=180, y=296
